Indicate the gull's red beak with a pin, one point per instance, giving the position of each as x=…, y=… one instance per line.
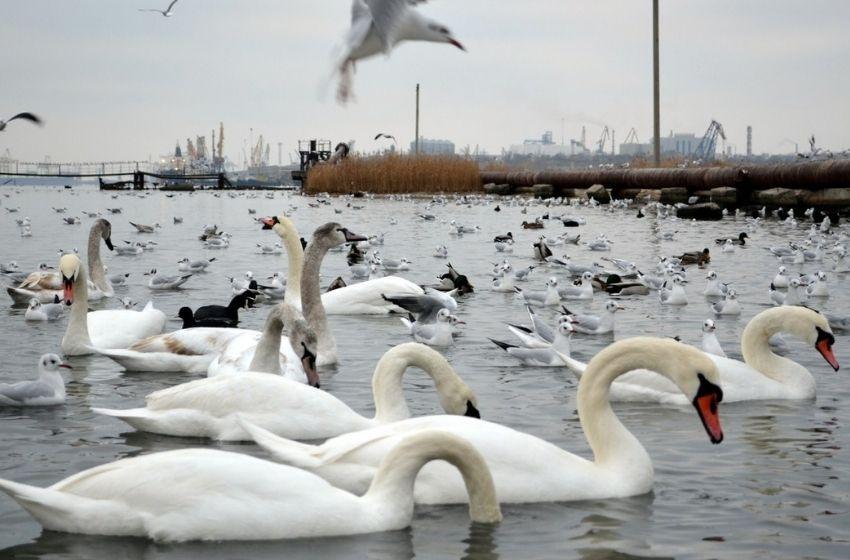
x=66, y=366
x=456, y=43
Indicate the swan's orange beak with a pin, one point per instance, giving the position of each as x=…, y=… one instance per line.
x=268, y=223
x=824, y=346
x=68, y=290
x=708, y=397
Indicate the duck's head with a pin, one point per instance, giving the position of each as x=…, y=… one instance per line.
x=69, y=268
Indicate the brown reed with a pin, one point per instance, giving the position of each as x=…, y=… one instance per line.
x=396, y=174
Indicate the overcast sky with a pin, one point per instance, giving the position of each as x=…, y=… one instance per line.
x=113, y=83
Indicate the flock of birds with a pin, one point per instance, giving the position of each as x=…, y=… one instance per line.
x=265, y=385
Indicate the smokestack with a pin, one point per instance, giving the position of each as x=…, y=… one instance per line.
x=749, y=141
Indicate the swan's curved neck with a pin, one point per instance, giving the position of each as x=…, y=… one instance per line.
x=311, y=300
x=390, y=404
x=96, y=272
x=755, y=346
x=267, y=354
x=294, y=269
x=613, y=445
x=77, y=333
x=392, y=486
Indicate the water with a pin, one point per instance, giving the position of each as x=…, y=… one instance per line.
x=777, y=487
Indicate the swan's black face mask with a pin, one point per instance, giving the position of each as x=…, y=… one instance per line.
x=824, y=346
x=269, y=223
x=471, y=411
x=308, y=362
x=708, y=397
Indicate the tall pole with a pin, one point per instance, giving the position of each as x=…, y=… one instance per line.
x=417, y=120
x=656, y=125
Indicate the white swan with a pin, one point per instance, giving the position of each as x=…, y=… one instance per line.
x=206, y=494
x=363, y=298
x=526, y=468
x=762, y=374
x=270, y=352
x=112, y=328
x=212, y=407
x=45, y=286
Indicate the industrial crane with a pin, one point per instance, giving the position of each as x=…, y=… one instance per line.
x=706, y=148
x=600, y=145
x=631, y=137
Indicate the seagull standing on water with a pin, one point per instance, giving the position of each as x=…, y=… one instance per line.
x=377, y=26
x=166, y=13
x=26, y=116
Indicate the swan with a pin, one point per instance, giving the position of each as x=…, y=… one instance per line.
x=88, y=332
x=762, y=374
x=213, y=407
x=207, y=494
x=44, y=286
x=363, y=298
x=526, y=468
x=269, y=352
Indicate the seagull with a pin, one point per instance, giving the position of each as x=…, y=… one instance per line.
x=710, y=344
x=377, y=26
x=166, y=13
x=38, y=311
x=26, y=116
x=48, y=389
x=594, y=324
x=160, y=282
x=385, y=135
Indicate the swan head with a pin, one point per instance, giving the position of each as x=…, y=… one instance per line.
x=105, y=229
x=69, y=269
x=808, y=325
x=333, y=234
x=303, y=340
x=51, y=363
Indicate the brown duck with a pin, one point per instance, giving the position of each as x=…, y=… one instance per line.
x=696, y=257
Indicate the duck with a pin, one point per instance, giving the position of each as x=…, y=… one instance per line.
x=506, y=238
x=548, y=356
x=594, y=324
x=224, y=315
x=762, y=375
x=740, y=240
x=88, y=332
x=268, y=351
x=45, y=285
x=214, y=407
x=696, y=257
x=527, y=469
x=710, y=344
x=48, y=389
x=255, y=499
x=532, y=225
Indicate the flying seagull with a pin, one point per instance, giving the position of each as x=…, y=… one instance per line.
x=384, y=135
x=166, y=13
x=26, y=116
x=377, y=26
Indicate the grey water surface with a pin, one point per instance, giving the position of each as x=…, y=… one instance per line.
x=777, y=487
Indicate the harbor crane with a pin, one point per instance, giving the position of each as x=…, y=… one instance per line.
x=600, y=145
x=707, y=147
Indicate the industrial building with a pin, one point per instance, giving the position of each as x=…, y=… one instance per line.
x=433, y=147
x=543, y=146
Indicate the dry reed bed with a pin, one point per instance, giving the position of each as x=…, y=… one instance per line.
x=396, y=174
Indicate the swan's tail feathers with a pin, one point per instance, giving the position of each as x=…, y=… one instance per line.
x=127, y=413
x=300, y=455
x=503, y=345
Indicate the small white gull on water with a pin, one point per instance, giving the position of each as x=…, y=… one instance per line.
x=377, y=26
x=48, y=389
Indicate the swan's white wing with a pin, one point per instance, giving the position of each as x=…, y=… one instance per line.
x=366, y=298
x=122, y=328
x=190, y=342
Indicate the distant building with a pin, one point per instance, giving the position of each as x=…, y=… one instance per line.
x=429, y=146
x=681, y=143
x=543, y=146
